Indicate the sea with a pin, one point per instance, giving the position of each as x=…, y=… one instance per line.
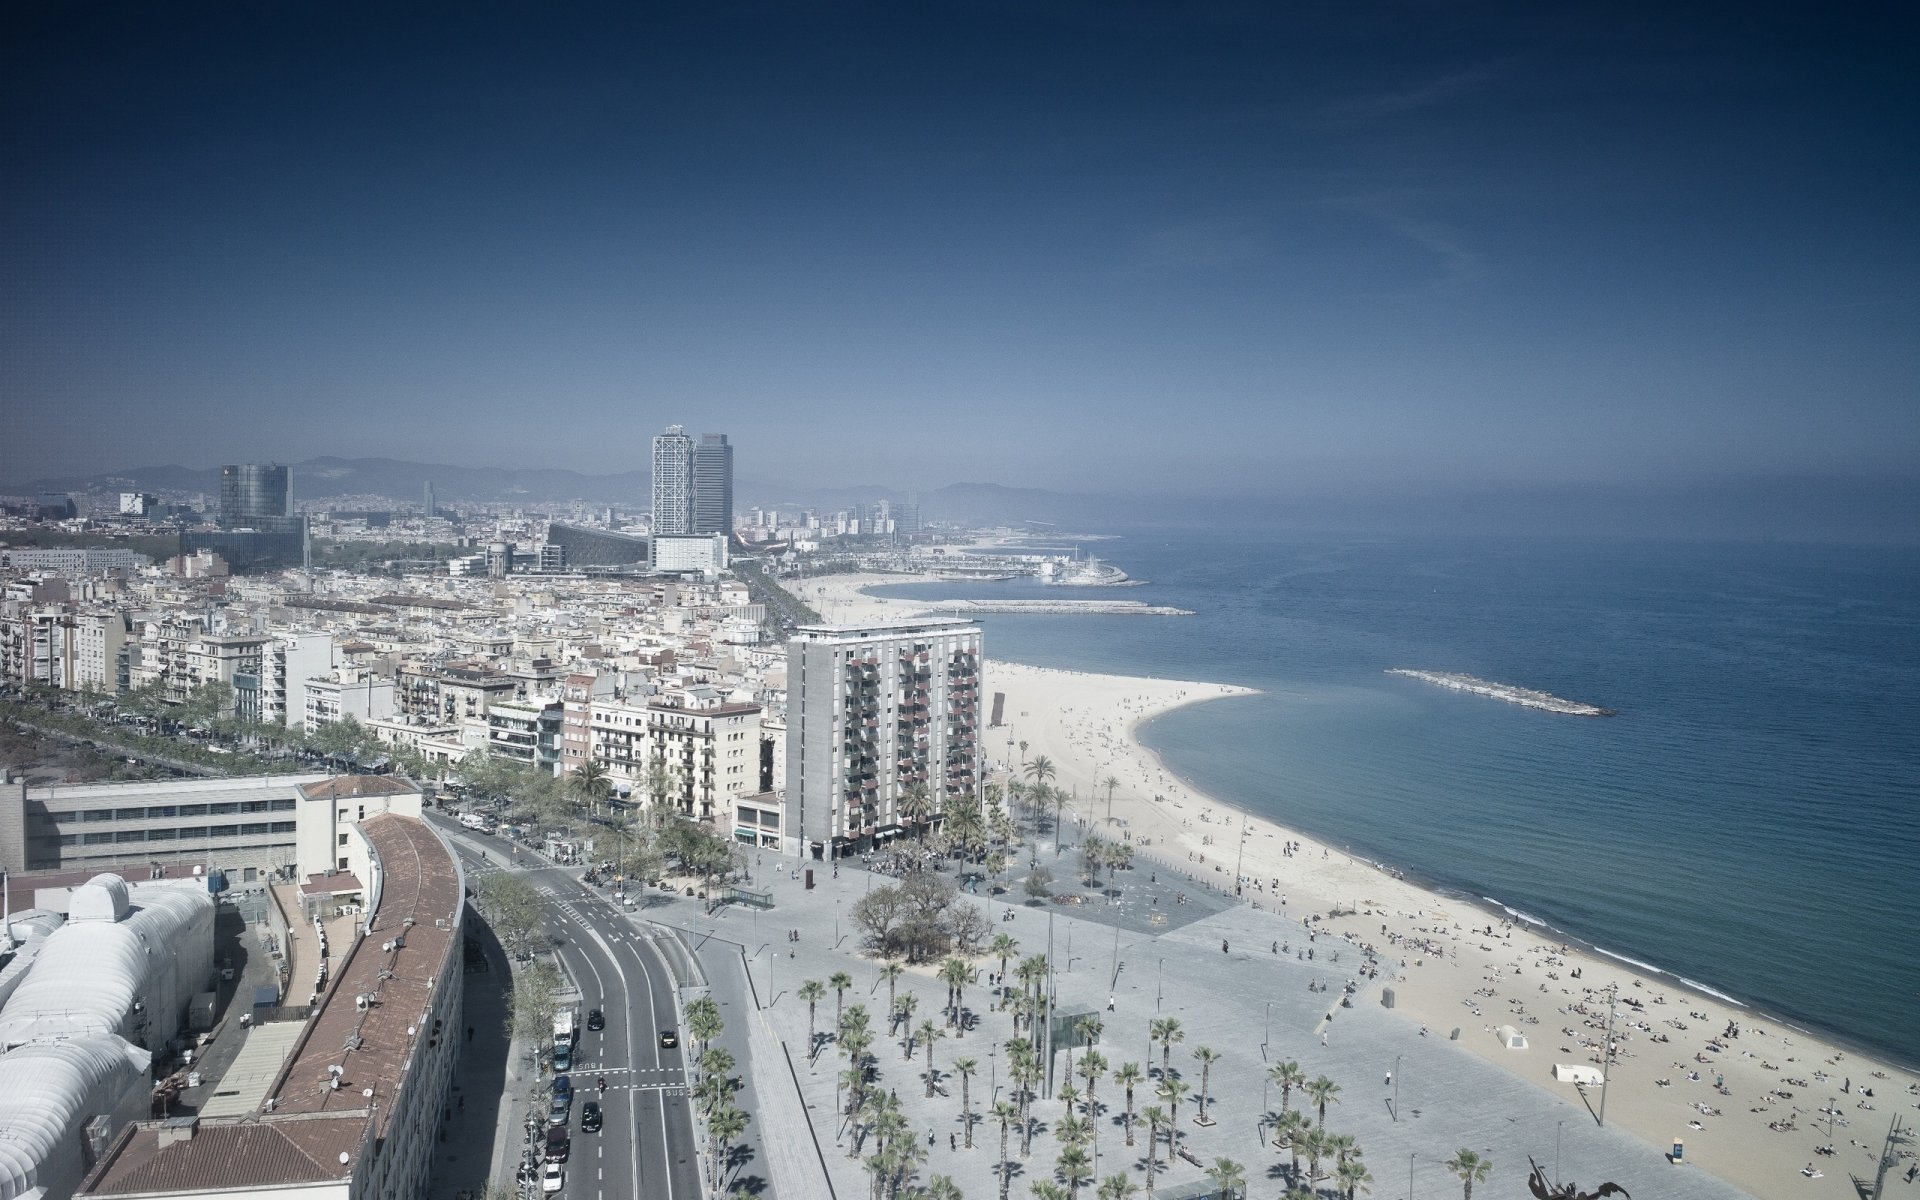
x=1748, y=822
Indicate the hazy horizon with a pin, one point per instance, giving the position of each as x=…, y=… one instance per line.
x=1381, y=256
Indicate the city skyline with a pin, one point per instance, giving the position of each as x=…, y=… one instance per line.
x=1384, y=260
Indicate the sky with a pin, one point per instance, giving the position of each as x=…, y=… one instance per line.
x=1301, y=251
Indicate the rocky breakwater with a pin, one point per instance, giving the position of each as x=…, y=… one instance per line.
x=1526, y=697
x=1124, y=608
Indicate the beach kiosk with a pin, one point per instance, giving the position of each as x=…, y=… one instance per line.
x=1512, y=1038
x=1576, y=1073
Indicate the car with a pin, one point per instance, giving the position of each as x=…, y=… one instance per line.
x=563, y=1058
x=554, y=1179
x=560, y=1110
x=559, y=1145
x=596, y=1020
x=590, y=1118
x=669, y=1039
x=563, y=1086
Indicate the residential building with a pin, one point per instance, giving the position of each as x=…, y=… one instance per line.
x=673, y=482
x=180, y=652
x=449, y=693
x=349, y=696
x=292, y=660
x=694, y=750
x=72, y=560
x=713, y=485
x=526, y=733
x=706, y=554
x=98, y=639
x=136, y=504
x=875, y=711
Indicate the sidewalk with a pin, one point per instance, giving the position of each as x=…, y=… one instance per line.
x=480, y=1135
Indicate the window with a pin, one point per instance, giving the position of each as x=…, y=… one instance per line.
x=343, y=864
x=129, y=814
x=163, y=810
x=97, y=814
x=281, y=805
x=223, y=810
x=193, y=831
x=69, y=839
x=343, y=839
x=130, y=835
x=193, y=810
x=161, y=835
x=220, y=831
x=253, y=806
x=96, y=839
x=284, y=826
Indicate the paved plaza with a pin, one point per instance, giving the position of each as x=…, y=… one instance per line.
x=1212, y=965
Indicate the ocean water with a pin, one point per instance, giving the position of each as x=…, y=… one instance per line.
x=1749, y=822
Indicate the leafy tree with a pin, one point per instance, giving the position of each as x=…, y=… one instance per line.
x=512, y=908
x=532, y=1005
x=1039, y=883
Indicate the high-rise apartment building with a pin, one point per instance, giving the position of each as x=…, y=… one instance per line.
x=427, y=507
x=713, y=485
x=250, y=491
x=673, y=482
x=875, y=714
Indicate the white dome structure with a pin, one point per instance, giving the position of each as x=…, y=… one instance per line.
x=51, y=1091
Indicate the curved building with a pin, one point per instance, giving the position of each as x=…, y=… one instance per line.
x=49, y=1094
x=250, y=491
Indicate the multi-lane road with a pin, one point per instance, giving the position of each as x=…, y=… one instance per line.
x=646, y=1146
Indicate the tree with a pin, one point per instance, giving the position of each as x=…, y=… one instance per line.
x=1006, y=1114
x=1288, y=1131
x=1206, y=1056
x=966, y=1069
x=1155, y=1117
x=660, y=781
x=1351, y=1176
x=1126, y=1075
x=902, y=1014
x=1047, y=1189
x=1004, y=946
x=1093, y=1065
x=916, y=806
x=891, y=973
x=1471, y=1169
x=1313, y=1143
x=942, y=1187
x=929, y=1034
x=1229, y=1176
x=1324, y=1091
x=703, y=1020
x=1040, y=771
x=1166, y=1031
x=1118, y=1187
x=532, y=1005
x=1076, y=1168
x=956, y=974
x=1286, y=1076
x=590, y=784
x=1110, y=782
x=812, y=991
x=1172, y=1091
x=513, y=909
x=1039, y=883
x=839, y=981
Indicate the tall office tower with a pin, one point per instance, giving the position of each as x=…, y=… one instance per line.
x=253, y=490
x=426, y=500
x=713, y=485
x=872, y=711
x=673, y=482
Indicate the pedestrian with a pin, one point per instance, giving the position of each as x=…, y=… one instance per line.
x=929, y=1137
x=1389, y=1082
x=469, y=1033
x=953, y=1142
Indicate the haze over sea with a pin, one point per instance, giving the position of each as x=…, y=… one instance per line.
x=1748, y=822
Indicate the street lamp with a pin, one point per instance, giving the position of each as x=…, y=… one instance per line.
x=1396, y=1087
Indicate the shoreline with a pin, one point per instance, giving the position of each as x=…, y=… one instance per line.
x=1448, y=948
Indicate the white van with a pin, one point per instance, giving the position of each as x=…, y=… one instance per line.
x=478, y=822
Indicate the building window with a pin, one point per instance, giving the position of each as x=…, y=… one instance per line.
x=284, y=826
x=129, y=814
x=97, y=814
x=193, y=810
x=130, y=835
x=160, y=835
x=253, y=806
x=221, y=831
x=223, y=810
x=343, y=839
x=164, y=810
x=193, y=831
x=96, y=839
x=283, y=805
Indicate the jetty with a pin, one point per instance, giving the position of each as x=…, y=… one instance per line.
x=1117, y=608
x=1525, y=697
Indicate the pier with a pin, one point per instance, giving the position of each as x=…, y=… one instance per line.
x=1118, y=608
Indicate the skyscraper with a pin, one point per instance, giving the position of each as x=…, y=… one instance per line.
x=251, y=491
x=673, y=482
x=426, y=499
x=713, y=485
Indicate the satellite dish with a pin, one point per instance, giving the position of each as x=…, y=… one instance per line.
x=343, y=1158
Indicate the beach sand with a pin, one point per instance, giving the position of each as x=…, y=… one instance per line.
x=1748, y=1107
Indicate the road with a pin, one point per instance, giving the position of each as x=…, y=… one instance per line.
x=646, y=1148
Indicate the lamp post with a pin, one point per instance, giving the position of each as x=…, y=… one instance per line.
x=1411, y=1155
x=1557, y=1131
x=1396, y=1087
x=1606, y=1056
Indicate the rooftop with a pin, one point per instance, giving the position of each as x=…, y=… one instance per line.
x=346, y=787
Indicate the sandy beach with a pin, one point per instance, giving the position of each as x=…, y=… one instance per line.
x=1754, y=1101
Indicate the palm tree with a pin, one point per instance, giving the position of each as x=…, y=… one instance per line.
x=1228, y=1176
x=1323, y=1091
x=1126, y=1075
x=590, y=784
x=1093, y=1065
x=1004, y=1113
x=1067, y=1094
x=839, y=981
x=1004, y=946
x=902, y=1013
x=1026, y=1073
x=956, y=974
x=1206, y=1056
x=703, y=1021
x=1172, y=1090
x=941, y=1187
x=1110, y=782
x=1289, y=1132
x=1313, y=1143
x=1155, y=1117
x=1471, y=1169
x=891, y=973
x=1166, y=1031
x=1286, y=1076
x=916, y=804
x=1352, y=1175
x=966, y=1069
x=812, y=991
x=1118, y=1187
x=1343, y=1146
x=723, y=1129
x=1047, y=1189
x=1076, y=1168
x=929, y=1034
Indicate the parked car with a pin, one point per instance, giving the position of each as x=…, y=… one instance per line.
x=563, y=1086
x=590, y=1118
x=563, y=1058
x=559, y=1145
x=554, y=1179
x=560, y=1110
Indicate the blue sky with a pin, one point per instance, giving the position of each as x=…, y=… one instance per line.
x=1289, y=250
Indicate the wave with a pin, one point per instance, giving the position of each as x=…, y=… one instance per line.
x=1525, y=697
